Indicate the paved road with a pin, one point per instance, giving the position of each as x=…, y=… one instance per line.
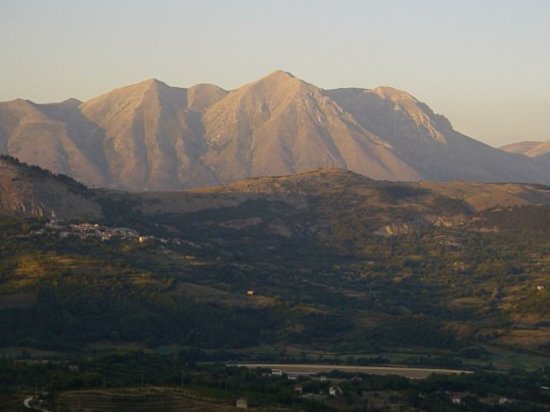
x=415, y=373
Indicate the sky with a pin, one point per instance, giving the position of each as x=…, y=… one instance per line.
x=484, y=64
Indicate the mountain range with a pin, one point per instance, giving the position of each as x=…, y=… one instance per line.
x=151, y=136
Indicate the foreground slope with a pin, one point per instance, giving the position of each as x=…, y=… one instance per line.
x=151, y=136
x=33, y=192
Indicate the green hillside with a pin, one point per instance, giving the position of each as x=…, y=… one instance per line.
x=337, y=263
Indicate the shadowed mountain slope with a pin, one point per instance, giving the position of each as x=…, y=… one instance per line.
x=34, y=192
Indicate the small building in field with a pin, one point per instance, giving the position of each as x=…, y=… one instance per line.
x=456, y=399
x=241, y=403
x=74, y=368
x=335, y=391
x=503, y=401
x=250, y=292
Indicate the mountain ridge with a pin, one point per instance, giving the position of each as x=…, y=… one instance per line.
x=30, y=191
x=152, y=136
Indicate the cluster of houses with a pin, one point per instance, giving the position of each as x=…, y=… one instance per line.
x=334, y=391
x=458, y=399
x=96, y=231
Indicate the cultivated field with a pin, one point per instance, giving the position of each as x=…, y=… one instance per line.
x=139, y=400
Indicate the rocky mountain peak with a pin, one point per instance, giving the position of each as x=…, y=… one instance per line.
x=152, y=136
x=278, y=76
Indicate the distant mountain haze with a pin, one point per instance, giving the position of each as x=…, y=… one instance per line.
x=538, y=151
x=151, y=136
x=528, y=148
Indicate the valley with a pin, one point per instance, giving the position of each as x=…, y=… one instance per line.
x=326, y=266
x=275, y=206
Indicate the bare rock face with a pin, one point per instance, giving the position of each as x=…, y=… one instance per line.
x=428, y=142
x=151, y=136
x=280, y=125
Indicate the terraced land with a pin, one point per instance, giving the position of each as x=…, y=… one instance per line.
x=138, y=399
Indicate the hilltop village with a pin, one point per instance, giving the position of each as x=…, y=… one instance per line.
x=88, y=230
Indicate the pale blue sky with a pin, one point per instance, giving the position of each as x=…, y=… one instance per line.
x=485, y=64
